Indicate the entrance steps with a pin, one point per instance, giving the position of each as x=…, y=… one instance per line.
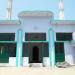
x=36, y=65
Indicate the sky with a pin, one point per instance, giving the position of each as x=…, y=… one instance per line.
x=38, y=5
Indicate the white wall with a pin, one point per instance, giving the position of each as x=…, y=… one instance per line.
x=46, y=61
x=29, y=24
x=12, y=61
x=64, y=28
x=9, y=29
x=69, y=49
x=25, y=61
x=69, y=53
x=36, y=24
x=73, y=35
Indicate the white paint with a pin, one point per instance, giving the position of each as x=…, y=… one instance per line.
x=29, y=24
x=69, y=53
x=26, y=61
x=9, y=29
x=73, y=35
x=64, y=28
x=61, y=10
x=74, y=55
x=19, y=56
x=12, y=61
x=9, y=10
x=46, y=61
x=53, y=58
x=36, y=64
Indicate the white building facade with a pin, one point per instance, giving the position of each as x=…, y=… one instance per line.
x=36, y=38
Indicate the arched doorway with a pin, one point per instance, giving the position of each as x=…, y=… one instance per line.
x=35, y=54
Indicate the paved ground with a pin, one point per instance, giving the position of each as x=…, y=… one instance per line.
x=36, y=71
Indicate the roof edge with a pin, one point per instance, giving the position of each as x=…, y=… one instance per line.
x=35, y=13
x=10, y=22
x=63, y=22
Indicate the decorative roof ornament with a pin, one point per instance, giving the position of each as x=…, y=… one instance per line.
x=61, y=10
x=9, y=9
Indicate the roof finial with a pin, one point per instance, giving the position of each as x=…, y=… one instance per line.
x=61, y=10
x=9, y=10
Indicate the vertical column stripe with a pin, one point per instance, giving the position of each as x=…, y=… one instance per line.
x=19, y=48
x=51, y=47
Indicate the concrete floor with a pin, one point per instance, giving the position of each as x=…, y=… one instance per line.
x=36, y=71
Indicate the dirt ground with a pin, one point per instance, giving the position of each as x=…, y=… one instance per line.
x=36, y=71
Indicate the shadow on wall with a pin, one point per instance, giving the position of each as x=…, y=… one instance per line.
x=74, y=55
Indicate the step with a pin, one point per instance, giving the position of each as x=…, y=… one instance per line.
x=36, y=64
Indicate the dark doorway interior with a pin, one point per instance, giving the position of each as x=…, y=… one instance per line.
x=35, y=51
x=35, y=54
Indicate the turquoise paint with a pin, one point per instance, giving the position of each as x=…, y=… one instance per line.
x=36, y=41
x=7, y=41
x=19, y=48
x=51, y=47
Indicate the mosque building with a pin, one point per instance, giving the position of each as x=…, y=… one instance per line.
x=36, y=38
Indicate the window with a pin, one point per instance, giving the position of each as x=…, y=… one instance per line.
x=10, y=48
x=63, y=36
x=35, y=36
x=7, y=36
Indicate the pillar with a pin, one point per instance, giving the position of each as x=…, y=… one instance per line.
x=19, y=48
x=51, y=47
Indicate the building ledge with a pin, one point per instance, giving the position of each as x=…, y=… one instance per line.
x=63, y=22
x=10, y=22
x=35, y=41
x=8, y=41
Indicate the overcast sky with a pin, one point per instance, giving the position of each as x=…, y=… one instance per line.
x=46, y=5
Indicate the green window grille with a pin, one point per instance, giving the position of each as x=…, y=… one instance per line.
x=7, y=36
x=35, y=36
x=63, y=36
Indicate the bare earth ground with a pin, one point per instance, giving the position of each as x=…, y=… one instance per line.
x=36, y=71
